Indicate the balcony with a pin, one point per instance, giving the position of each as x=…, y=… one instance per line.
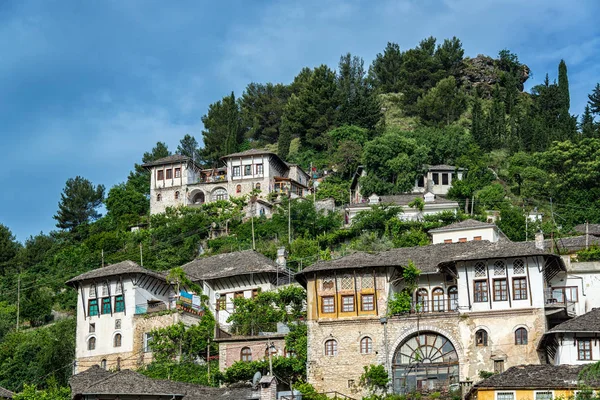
x=558, y=307
x=212, y=179
x=150, y=307
x=432, y=307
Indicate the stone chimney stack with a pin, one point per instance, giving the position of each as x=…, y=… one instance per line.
x=268, y=388
x=281, y=257
x=539, y=240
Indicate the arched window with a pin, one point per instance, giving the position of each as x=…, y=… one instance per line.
x=438, y=299
x=238, y=189
x=177, y=195
x=453, y=298
x=258, y=186
x=521, y=336
x=422, y=300
x=246, y=354
x=481, y=338
x=103, y=363
x=117, y=340
x=366, y=345
x=158, y=197
x=118, y=363
x=331, y=347
x=92, y=343
x=219, y=194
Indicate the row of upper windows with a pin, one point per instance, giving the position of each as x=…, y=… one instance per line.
x=168, y=174
x=238, y=188
x=481, y=337
x=104, y=290
x=237, y=170
x=176, y=196
x=500, y=289
x=107, y=305
x=331, y=346
x=435, y=177
x=246, y=353
x=222, y=299
x=347, y=282
x=498, y=268
x=539, y=395
x=367, y=303
x=462, y=240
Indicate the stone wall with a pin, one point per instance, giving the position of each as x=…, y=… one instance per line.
x=230, y=352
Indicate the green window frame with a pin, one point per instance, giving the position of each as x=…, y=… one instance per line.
x=119, y=303
x=106, y=305
x=93, y=307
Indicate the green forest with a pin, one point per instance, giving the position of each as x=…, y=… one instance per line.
x=427, y=105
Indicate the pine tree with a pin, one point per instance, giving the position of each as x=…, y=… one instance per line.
x=262, y=108
x=384, y=73
x=587, y=126
x=450, y=55
x=78, y=204
x=594, y=99
x=188, y=146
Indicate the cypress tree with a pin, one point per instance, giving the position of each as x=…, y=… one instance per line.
x=563, y=85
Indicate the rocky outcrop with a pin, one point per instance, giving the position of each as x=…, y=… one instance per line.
x=483, y=72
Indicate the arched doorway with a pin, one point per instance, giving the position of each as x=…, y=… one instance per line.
x=198, y=198
x=424, y=361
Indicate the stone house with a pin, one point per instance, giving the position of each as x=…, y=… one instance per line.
x=535, y=382
x=478, y=306
x=249, y=348
x=178, y=181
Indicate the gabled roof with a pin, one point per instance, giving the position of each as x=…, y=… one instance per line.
x=588, y=322
x=429, y=259
x=463, y=225
x=541, y=377
x=128, y=382
x=124, y=267
x=444, y=167
x=251, y=152
x=172, y=159
x=6, y=394
x=230, y=264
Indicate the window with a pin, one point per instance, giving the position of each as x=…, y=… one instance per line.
x=92, y=343
x=462, y=240
x=505, y=395
x=147, y=342
x=103, y=363
x=169, y=173
x=481, y=338
x=93, y=291
x=584, y=349
x=177, y=172
x=331, y=347
x=327, y=304
x=445, y=179
x=520, y=288
x=238, y=189
x=366, y=345
x=453, y=298
x=106, y=305
x=499, y=268
x=422, y=300
x=480, y=291
x=119, y=288
x=521, y=336
x=117, y=340
x=347, y=283
x=499, y=368
x=255, y=292
x=238, y=295
x=367, y=302
x=219, y=194
x=477, y=238
x=259, y=169
x=500, y=290
x=437, y=296
x=117, y=324
x=236, y=171
x=246, y=354
x=160, y=175
x=565, y=294
x=158, y=197
x=119, y=303
x=92, y=328
x=421, y=182
x=480, y=270
x=545, y=395
x=177, y=195
x=257, y=186
x=247, y=170
x=273, y=351
x=221, y=302
x=435, y=177
x=104, y=289
x=518, y=267
x=447, y=241
x=92, y=307
x=348, y=303
x=367, y=282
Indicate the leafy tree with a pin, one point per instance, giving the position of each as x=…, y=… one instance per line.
x=443, y=104
x=346, y=158
x=376, y=218
x=476, y=177
x=185, y=371
x=393, y=162
x=491, y=197
x=347, y=133
x=36, y=305
x=312, y=112
x=8, y=318
x=262, y=107
x=450, y=55
x=139, y=178
x=384, y=73
x=594, y=99
x=223, y=130
x=375, y=379
x=78, y=203
x=337, y=190
x=53, y=393
x=188, y=146
x=181, y=343
x=125, y=204
x=512, y=223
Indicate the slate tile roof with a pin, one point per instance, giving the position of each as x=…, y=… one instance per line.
x=230, y=264
x=127, y=382
x=5, y=394
x=466, y=224
x=588, y=322
x=251, y=152
x=593, y=229
x=124, y=267
x=172, y=159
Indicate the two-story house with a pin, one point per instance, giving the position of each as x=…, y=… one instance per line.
x=478, y=306
x=177, y=180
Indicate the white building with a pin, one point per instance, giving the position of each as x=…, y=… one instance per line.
x=438, y=179
x=466, y=231
x=177, y=180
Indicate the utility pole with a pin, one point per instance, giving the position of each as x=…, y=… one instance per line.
x=18, y=298
x=587, y=238
x=102, y=258
x=289, y=215
x=141, y=256
x=252, y=210
x=208, y=360
x=269, y=343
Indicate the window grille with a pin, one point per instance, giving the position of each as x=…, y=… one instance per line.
x=499, y=268
x=480, y=270
x=518, y=267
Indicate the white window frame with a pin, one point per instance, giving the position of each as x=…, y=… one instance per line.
x=147, y=340
x=496, y=392
x=535, y=393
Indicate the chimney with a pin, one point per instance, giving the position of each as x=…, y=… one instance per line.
x=268, y=388
x=539, y=240
x=281, y=257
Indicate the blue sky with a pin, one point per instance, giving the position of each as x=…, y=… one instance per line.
x=87, y=87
